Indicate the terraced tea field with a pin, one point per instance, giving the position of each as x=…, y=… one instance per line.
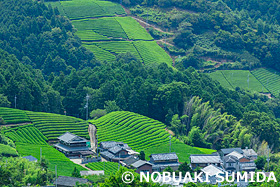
x=13, y=116
x=54, y=125
x=138, y=131
x=238, y=78
x=26, y=134
x=270, y=79
x=96, y=21
x=152, y=53
x=77, y=9
x=108, y=167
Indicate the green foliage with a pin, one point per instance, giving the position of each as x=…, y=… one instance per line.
x=13, y=116
x=111, y=106
x=19, y=172
x=99, y=53
x=7, y=151
x=196, y=138
x=54, y=125
x=168, y=169
x=4, y=102
x=95, y=114
x=76, y=173
x=142, y=155
x=184, y=168
x=138, y=131
x=108, y=167
x=260, y=162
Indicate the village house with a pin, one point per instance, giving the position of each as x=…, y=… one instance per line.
x=130, y=160
x=212, y=171
x=203, y=160
x=63, y=181
x=225, y=152
x=235, y=161
x=115, y=151
x=142, y=166
x=72, y=145
x=163, y=160
x=250, y=153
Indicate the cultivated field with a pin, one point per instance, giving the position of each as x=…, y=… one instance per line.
x=54, y=125
x=138, y=131
x=77, y=9
x=7, y=151
x=108, y=167
x=270, y=79
x=13, y=116
x=238, y=78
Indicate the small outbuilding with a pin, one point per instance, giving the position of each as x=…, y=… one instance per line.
x=63, y=181
x=142, y=166
x=30, y=158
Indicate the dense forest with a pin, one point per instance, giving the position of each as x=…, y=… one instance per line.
x=244, y=32
x=190, y=103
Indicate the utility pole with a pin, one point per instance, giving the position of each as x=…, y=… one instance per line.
x=267, y=157
x=87, y=98
x=169, y=143
x=55, y=176
x=15, y=101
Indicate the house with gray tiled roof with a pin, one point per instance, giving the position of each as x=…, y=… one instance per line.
x=163, y=160
x=63, y=181
x=73, y=145
x=142, y=166
x=225, y=152
x=203, y=160
x=250, y=153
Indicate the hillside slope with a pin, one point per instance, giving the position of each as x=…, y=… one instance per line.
x=103, y=27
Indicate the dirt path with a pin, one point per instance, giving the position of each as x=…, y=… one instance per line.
x=163, y=41
x=17, y=124
x=145, y=24
x=92, y=134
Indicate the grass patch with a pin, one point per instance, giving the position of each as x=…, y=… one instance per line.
x=99, y=53
x=64, y=165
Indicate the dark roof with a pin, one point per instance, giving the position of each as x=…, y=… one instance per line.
x=140, y=163
x=69, y=138
x=164, y=156
x=230, y=159
x=108, y=145
x=70, y=181
x=73, y=149
x=107, y=154
x=229, y=150
x=249, y=152
x=115, y=149
x=130, y=161
x=30, y=158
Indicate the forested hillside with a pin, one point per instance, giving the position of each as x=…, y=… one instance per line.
x=224, y=31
